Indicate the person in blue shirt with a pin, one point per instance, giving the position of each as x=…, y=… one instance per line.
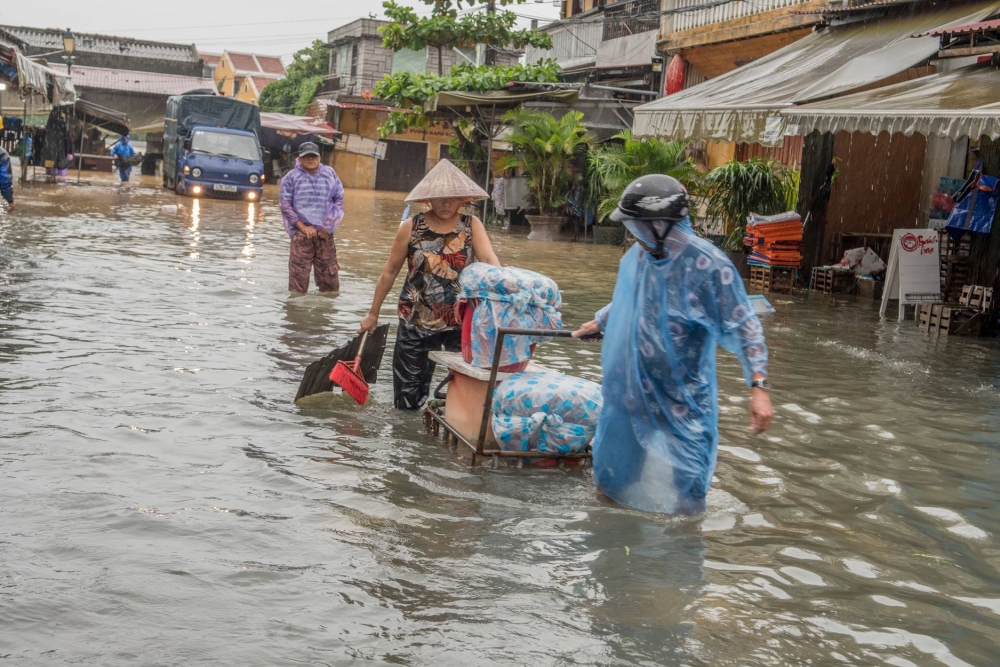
x=123, y=153
x=6, y=179
x=677, y=297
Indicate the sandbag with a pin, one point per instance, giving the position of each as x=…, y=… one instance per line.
x=508, y=297
x=545, y=411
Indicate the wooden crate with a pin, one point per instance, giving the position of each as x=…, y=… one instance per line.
x=954, y=276
x=941, y=319
x=831, y=281
x=952, y=248
x=772, y=279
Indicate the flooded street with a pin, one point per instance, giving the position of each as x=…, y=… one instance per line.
x=163, y=501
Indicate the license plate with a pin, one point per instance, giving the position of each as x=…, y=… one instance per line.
x=222, y=187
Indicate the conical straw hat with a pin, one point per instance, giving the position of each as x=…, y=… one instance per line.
x=446, y=181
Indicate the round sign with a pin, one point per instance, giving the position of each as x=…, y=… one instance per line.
x=909, y=242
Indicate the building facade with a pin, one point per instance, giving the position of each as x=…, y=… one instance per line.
x=607, y=42
x=346, y=99
x=245, y=75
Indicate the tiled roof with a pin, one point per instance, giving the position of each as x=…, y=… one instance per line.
x=261, y=82
x=210, y=58
x=243, y=62
x=51, y=39
x=271, y=65
x=964, y=29
x=250, y=64
x=99, y=78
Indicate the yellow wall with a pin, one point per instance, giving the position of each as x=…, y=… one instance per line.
x=224, y=77
x=358, y=171
x=246, y=92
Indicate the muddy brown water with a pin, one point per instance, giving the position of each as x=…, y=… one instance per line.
x=163, y=502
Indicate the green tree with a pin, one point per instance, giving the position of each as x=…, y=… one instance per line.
x=303, y=78
x=445, y=29
x=613, y=165
x=548, y=152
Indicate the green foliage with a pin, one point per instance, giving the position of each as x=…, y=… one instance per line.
x=612, y=166
x=409, y=90
x=445, y=29
x=304, y=76
x=737, y=189
x=548, y=152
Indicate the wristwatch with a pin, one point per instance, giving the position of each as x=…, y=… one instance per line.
x=761, y=384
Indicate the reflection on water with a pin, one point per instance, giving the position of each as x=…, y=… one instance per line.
x=162, y=501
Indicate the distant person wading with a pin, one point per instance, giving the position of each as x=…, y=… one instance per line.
x=123, y=153
x=312, y=205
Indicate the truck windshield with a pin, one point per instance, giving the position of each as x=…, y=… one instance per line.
x=227, y=145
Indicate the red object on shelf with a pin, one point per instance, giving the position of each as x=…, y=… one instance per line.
x=675, y=75
x=465, y=310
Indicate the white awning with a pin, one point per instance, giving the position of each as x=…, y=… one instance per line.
x=961, y=103
x=743, y=105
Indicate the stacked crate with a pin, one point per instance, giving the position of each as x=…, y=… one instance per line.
x=829, y=280
x=772, y=279
x=954, y=266
x=968, y=318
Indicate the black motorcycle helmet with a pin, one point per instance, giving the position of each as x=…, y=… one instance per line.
x=653, y=198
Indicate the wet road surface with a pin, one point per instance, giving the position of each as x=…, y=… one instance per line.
x=163, y=502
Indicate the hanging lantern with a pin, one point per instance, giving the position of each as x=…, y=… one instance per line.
x=675, y=75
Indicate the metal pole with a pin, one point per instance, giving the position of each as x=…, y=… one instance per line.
x=79, y=158
x=490, y=57
x=24, y=136
x=489, y=164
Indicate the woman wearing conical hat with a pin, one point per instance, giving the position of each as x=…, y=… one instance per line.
x=436, y=245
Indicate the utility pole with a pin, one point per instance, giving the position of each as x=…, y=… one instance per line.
x=490, y=57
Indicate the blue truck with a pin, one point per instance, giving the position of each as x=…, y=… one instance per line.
x=211, y=147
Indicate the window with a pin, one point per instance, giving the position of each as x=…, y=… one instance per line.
x=237, y=146
x=354, y=60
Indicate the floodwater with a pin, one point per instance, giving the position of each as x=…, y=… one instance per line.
x=163, y=502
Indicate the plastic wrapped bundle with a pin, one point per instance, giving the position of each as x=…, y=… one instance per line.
x=548, y=412
x=508, y=297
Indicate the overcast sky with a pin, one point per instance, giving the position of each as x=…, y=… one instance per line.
x=273, y=27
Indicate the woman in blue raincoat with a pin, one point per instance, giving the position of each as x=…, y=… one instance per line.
x=677, y=297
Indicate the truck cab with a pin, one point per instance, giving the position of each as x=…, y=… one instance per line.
x=211, y=147
x=220, y=162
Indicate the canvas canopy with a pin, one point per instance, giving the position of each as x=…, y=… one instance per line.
x=33, y=78
x=287, y=123
x=961, y=103
x=743, y=105
x=96, y=115
x=499, y=98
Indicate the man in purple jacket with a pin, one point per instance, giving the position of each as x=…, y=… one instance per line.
x=312, y=205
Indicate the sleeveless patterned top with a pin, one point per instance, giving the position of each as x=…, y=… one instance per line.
x=434, y=261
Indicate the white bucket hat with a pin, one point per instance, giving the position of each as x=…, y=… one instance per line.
x=446, y=181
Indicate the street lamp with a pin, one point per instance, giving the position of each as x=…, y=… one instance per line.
x=69, y=45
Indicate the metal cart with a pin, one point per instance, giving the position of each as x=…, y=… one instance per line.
x=437, y=425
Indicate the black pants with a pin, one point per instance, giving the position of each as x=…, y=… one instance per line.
x=411, y=369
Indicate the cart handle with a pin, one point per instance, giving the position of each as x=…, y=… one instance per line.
x=503, y=332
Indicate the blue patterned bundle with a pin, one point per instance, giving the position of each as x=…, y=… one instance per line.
x=545, y=411
x=508, y=297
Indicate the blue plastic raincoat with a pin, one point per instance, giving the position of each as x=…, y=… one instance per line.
x=655, y=447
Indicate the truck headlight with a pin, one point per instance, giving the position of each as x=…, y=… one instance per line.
x=254, y=178
x=187, y=170
x=196, y=172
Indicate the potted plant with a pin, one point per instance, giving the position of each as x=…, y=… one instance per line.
x=736, y=189
x=613, y=165
x=546, y=151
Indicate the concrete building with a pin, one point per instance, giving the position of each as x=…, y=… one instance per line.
x=113, y=52
x=245, y=75
x=358, y=61
x=607, y=42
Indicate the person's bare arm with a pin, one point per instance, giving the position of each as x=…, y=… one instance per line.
x=400, y=247
x=761, y=411
x=481, y=245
